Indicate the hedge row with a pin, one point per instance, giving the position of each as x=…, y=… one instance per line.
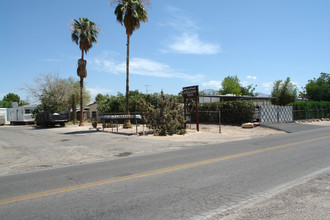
x=311, y=110
x=232, y=112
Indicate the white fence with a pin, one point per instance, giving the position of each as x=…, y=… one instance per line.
x=275, y=114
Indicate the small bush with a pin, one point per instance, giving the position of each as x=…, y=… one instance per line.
x=166, y=118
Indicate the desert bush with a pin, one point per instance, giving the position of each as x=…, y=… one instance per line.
x=117, y=103
x=165, y=117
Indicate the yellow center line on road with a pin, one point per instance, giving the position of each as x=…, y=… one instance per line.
x=149, y=173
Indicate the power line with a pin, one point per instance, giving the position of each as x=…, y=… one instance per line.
x=147, y=90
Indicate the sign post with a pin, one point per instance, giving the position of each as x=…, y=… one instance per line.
x=191, y=92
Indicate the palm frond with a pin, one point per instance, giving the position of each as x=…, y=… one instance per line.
x=131, y=13
x=75, y=37
x=119, y=14
x=141, y=13
x=84, y=33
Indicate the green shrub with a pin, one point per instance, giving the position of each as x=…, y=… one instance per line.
x=166, y=117
x=311, y=110
x=117, y=103
x=232, y=112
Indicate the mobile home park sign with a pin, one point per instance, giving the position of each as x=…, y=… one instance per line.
x=191, y=93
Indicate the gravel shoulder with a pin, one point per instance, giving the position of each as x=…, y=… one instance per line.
x=26, y=148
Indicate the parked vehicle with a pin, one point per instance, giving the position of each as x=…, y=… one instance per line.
x=48, y=119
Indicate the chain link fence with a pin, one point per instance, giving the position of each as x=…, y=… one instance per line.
x=223, y=116
x=306, y=114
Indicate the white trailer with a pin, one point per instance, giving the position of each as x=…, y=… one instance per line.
x=3, y=114
x=21, y=114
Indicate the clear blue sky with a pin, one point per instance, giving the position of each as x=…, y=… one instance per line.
x=185, y=42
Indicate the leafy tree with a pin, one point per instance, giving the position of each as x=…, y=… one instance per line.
x=5, y=104
x=50, y=91
x=248, y=91
x=99, y=97
x=303, y=93
x=111, y=104
x=181, y=99
x=116, y=104
x=49, y=102
x=11, y=97
x=22, y=102
x=319, y=89
x=84, y=33
x=130, y=13
x=74, y=87
x=284, y=92
x=232, y=85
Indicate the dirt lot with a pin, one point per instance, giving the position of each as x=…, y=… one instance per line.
x=26, y=148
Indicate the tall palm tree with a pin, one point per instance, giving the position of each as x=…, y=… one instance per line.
x=130, y=13
x=84, y=32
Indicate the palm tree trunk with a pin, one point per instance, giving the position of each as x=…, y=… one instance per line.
x=127, y=123
x=81, y=101
x=74, y=109
x=81, y=95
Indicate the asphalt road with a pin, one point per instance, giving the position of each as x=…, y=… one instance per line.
x=195, y=183
x=304, y=199
x=291, y=127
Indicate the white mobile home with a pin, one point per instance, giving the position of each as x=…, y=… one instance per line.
x=3, y=113
x=20, y=114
